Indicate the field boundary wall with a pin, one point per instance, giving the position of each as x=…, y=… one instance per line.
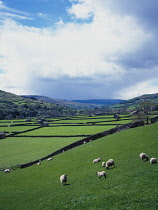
x=86, y=140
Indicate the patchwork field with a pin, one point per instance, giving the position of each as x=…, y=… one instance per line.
x=132, y=184
x=30, y=141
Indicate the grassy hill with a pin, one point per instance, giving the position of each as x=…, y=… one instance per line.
x=102, y=104
x=133, y=103
x=132, y=184
x=77, y=104
x=28, y=141
x=13, y=106
x=137, y=100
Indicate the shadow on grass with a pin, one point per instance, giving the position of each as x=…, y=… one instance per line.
x=66, y=184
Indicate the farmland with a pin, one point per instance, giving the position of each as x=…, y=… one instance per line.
x=30, y=141
x=132, y=184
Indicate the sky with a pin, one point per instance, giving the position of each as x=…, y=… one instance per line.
x=79, y=49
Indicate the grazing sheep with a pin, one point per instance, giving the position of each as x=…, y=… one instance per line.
x=103, y=164
x=97, y=160
x=39, y=163
x=63, y=179
x=100, y=174
x=7, y=170
x=109, y=163
x=49, y=159
x=153, y=160
x=143, y=156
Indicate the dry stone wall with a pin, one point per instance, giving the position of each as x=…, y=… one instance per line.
x=86, y=140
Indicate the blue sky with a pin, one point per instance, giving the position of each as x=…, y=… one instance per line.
x=79, y=49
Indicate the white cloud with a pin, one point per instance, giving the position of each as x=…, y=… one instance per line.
x=4, y=15
x=7, y=12
x=60, y=22
x=43, y=16
x=81, y=10
x=90, y=52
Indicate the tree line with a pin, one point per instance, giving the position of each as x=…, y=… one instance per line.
x=12, y=111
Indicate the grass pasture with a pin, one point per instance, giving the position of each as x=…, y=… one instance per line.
x=68, y=130
x=13, y=129
x=132, y=184
x=30, y=145
x=22, y=150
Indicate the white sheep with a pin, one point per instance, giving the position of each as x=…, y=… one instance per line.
x=153, y=160
x=109, y=163
x=97, y=160
x=49, y=159
x=143, y=156
x=103, y=164
x=63, y=179
x=39, y=163
x=100, y=174
x=7, y=170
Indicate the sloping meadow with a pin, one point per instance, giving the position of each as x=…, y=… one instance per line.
x=132, y=184
x=29, y=141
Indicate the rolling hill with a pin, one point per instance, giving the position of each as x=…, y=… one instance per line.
x=132, y=184
x=91, y=103
x=14, y=106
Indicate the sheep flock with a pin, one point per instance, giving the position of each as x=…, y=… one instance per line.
x=109, y=164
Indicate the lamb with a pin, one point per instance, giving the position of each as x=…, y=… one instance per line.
x=109, y=163
x=63, y=179
x=103, y=164
x=153, y=160
x=143, y=156
x=100, y=174
x=97, y=160
x=49, y=159
x=7, y=170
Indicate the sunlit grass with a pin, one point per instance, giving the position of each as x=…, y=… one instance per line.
x=21, y=150
x=132, y=184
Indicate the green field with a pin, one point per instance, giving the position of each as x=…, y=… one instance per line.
x=132, y=184
x=68, y=130
x=18, y=149
x=15, y=150
x=16, y=128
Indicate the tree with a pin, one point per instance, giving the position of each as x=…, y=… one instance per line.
x=144, y=111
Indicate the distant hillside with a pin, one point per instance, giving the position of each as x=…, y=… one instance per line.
x=100, y=101
x=134, y=103
x=114, y=104
x=45, y=98
x=147, y=97
x=153, y=97
x=90, y=103
x=74, y=104
x=13, y=106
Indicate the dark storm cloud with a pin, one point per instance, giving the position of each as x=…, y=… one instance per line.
x=145, y=11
